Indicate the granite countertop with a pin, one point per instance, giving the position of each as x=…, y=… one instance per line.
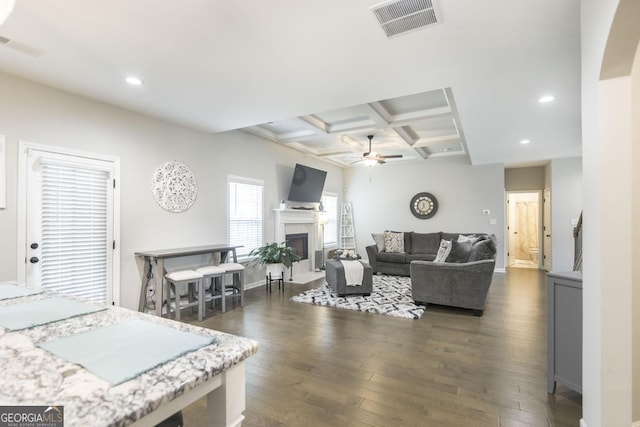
x=30, y=375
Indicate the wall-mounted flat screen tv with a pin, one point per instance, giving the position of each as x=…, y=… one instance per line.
x=307, y=184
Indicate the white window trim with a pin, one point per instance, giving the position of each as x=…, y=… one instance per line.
x=333, y=245
x=21, y=254
x=246, y=180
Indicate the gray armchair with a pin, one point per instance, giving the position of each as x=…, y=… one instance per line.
x=455, y=284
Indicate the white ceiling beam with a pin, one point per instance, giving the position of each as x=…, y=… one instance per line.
x=261, y=132
x=316, y=123
x=425, y=142
x=406, y=136
x=300, y=135
x=353, y=125
x=378, y=114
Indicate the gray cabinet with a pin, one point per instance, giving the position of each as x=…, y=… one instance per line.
x=564, y=330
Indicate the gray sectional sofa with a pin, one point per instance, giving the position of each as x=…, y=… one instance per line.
x=462, y=280
x=417, y=247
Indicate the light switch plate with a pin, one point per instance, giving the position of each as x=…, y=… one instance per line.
x=493, y=221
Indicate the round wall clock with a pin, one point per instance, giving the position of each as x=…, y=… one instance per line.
x=423, y=205
x=174, y=187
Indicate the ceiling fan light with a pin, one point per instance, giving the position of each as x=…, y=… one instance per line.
x=370, y=162
x=6, y=7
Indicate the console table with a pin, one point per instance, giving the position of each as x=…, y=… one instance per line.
x=564, y=330
x=158, y=257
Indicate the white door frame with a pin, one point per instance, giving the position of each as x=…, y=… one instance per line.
x=540, y=224
x=21, y=253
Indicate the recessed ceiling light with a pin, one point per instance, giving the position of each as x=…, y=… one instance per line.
x=134, y=81
x=525, y=141
x=444, y=150
x=546, y=99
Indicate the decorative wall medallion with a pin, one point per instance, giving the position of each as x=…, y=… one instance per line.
x=174, y=187
x=423, y=205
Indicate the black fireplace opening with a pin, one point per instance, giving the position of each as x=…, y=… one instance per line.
x=300, y=243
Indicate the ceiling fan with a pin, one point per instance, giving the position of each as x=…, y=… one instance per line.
x=370, y=158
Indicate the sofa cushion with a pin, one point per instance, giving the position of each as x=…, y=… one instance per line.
x=393, y=242
x=482, y=249
x=421, y=257
x=443, y=250
x=379, y=239
x=398, y=258
x=425, y=243
x=449, y=236
x=459, y=252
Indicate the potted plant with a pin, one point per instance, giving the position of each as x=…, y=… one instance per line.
x=276, y=257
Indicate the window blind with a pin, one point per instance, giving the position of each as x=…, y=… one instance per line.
x=76, y=236
x=330, y=204
x=246, y=212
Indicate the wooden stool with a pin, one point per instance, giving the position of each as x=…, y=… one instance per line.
x=211, y=272
x=237, y=280
x=175, y=281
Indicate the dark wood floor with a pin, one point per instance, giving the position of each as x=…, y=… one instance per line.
x=321, y=366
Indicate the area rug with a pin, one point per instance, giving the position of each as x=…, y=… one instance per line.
x=391, y=296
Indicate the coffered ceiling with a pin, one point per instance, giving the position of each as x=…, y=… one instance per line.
x=461, y=77
x=416, y=126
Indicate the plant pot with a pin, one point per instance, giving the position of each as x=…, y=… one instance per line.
x=275, y=270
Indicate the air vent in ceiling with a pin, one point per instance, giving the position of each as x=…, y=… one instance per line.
x=402, y=16
x=21, y=47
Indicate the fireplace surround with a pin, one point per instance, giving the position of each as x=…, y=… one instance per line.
x=297, y=221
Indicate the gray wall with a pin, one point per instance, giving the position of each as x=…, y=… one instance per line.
x=566, y=205
x=381, y=195
x=521, y=179
x=46, y=116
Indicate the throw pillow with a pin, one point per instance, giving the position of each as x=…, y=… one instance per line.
x=393, y=242
x=379, y=239
x=459, y=252
x=467, y=238
x=483, y=249
x=443, y=250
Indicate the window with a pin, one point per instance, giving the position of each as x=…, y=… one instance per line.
x=330, y=205
x=245, y=213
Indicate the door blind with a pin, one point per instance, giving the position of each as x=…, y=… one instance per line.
x=76, y=236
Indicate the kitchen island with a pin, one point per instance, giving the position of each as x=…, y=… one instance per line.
x=30, y=375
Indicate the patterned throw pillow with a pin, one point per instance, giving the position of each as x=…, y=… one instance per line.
x=443, y=250
x=393, y=242
x=379, y=239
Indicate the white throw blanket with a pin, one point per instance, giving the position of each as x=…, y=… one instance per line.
x=353, y=272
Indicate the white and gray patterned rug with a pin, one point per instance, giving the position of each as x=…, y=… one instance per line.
x=391, y=296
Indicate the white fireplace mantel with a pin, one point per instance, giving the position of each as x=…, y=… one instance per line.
x=305, y=218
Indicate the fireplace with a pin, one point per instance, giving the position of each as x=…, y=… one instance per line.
x=294, y=224
x=299, y=242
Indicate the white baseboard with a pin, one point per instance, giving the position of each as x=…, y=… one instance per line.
x=500, y=270
x=582, y=423
x=248, y=286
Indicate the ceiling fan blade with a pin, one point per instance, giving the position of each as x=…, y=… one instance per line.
x=392, y=156
x=380, y=161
